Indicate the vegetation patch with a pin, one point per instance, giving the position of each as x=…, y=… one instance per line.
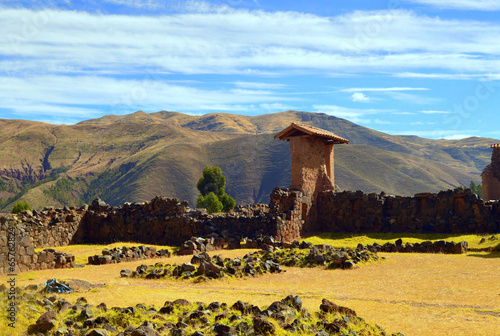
x=26, y=186
x=65, y=191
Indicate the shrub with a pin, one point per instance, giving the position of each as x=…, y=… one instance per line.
x=210, y=202
x=20, y=206
x=228, y=202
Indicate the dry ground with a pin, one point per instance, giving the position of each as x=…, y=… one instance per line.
x=416, y=294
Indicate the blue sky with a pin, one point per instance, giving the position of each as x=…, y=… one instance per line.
x=423, y=67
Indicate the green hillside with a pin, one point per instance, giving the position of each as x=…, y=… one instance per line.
x=134, y=157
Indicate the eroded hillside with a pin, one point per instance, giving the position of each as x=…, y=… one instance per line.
x=134, y=157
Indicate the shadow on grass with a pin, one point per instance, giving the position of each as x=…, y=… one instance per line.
x=392, y=236
x=486, y=256
x=494, y=253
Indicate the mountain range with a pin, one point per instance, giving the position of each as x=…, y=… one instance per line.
x=132, y=158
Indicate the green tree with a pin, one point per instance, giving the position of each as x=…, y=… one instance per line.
x=212, y=181
x=210, y=202
x=20, y=206
x=212, y=188
x=228, y=202
x=476, y=189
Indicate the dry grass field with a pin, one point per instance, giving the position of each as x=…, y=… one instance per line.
x=416, y=294
x=476, y=242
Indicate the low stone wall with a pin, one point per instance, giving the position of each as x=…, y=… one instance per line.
x=452, y=211
x=439, y=246
x=123, y=254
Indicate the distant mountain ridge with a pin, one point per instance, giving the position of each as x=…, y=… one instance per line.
x=132, y=158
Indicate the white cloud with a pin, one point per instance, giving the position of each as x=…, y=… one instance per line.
x=42, y=51
x=422, y=123
x=436, y=112
x=397, y=93
x=352, y=114
x=359, y=97
x=61, y=95
x=481, y=5
x=389, y=89
x=140, y=4
x=258, y=85
x=222, y=40
x=275, y=107
x=412, y=98
x=440, y=134
x=382, y=122
x=456, y=76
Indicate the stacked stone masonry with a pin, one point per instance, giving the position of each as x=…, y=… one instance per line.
x=452, y=211
x=123, y=254
x=164, y=221
x=33, y=230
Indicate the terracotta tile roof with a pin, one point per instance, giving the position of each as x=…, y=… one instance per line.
x=300, y=129
x=495, y=146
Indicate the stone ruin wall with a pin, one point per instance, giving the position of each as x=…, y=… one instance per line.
x=37, y=229
x=452, y=211
x=164, y=221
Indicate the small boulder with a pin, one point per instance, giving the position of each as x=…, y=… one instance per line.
x=263, y=326
x=145, y=331
x=97, y=332
x=45, y=322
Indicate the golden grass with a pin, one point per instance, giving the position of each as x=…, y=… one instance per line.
x=416, y=294
x=351, y=241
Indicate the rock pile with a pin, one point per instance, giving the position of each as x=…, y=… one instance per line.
x=53, y=315
x=117, y=254
x=197, y=245
x=439, y=246
x=306, y=254
x=203, y=267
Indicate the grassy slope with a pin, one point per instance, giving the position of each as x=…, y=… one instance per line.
x=166, y=151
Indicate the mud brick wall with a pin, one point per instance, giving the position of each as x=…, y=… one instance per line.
x=452, y=211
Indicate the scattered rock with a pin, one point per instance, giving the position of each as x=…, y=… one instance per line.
x=263, y=326
x=46, y=322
